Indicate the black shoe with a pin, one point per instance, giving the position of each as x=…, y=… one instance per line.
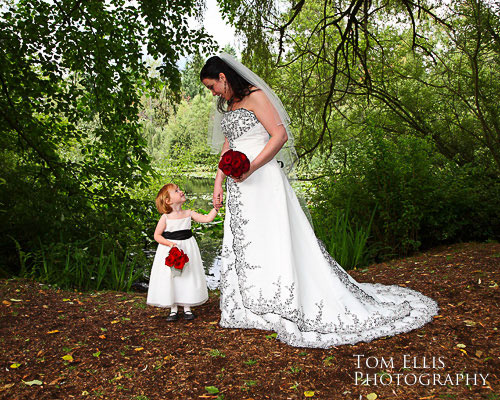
x=189, y=315
x=172, y=317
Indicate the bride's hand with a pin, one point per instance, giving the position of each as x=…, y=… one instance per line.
x=244, y=176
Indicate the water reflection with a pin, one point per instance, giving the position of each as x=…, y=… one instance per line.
x=213, y=274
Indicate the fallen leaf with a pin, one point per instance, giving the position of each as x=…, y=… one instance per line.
x=461, y=346
x=115, y=321
x=35, y=382
x=66, y=299
x=469, y=322
x=309, y=393
x=371, y=396
x=7, y=303
x=7, y=386
x=17, y=300
x=68, y=357
x=15, y=365
x=139, y=348
x=56, y=380
x=479, y=353
x=102, y=337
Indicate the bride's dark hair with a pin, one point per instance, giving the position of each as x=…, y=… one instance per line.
x=240, y=87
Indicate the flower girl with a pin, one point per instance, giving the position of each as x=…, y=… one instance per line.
x=167, y=288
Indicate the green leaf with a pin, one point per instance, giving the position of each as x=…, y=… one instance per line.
x=211, y=389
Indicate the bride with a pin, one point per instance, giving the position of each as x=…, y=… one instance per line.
x=276, y=275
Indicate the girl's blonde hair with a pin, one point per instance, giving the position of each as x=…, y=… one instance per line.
x=163, y=197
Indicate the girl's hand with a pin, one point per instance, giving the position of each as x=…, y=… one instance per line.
x=218, y=196
x=172, y=244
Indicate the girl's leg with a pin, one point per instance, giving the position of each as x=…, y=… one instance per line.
x=173, y=314
x=188, y=314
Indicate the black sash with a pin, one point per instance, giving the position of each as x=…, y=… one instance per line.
x=178, y=235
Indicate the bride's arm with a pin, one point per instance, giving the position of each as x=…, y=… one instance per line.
x=269, y=118
x=219, y=179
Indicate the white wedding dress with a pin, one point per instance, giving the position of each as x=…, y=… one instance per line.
x=277, y=276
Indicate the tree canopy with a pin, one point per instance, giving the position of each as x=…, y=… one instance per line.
x=72, y=74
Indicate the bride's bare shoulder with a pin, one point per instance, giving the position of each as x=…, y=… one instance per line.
x=256, y=98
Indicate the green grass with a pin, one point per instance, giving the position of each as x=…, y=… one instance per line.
x=216, y=353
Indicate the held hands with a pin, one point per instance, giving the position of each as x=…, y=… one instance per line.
x=218, y=197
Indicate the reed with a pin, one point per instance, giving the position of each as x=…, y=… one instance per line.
x=72, y=266
x=347, y=243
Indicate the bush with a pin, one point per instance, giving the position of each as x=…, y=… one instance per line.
x=421, y=198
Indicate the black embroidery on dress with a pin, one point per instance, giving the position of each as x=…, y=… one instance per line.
x=348, y=328
x=237, y=122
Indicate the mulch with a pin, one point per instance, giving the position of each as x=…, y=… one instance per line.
x=58, y=344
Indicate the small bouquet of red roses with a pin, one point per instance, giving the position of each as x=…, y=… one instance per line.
x=234, y=163
x=176, y=259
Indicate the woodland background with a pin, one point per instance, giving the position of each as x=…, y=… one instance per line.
x=394, y=106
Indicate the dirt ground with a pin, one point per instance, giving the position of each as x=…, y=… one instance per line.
x=59, y=344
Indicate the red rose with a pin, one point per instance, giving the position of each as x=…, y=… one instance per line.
x=226, y=169
x=237, y=172
x=222, y=164
x=236, y=163
x=227, y=157
x=246, y=165
x=174, y=251
x=178, y=264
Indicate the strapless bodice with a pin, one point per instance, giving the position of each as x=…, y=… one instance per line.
x=244, y=131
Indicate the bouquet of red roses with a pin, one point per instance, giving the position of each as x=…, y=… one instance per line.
x=234, y=163
x=176, y=259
